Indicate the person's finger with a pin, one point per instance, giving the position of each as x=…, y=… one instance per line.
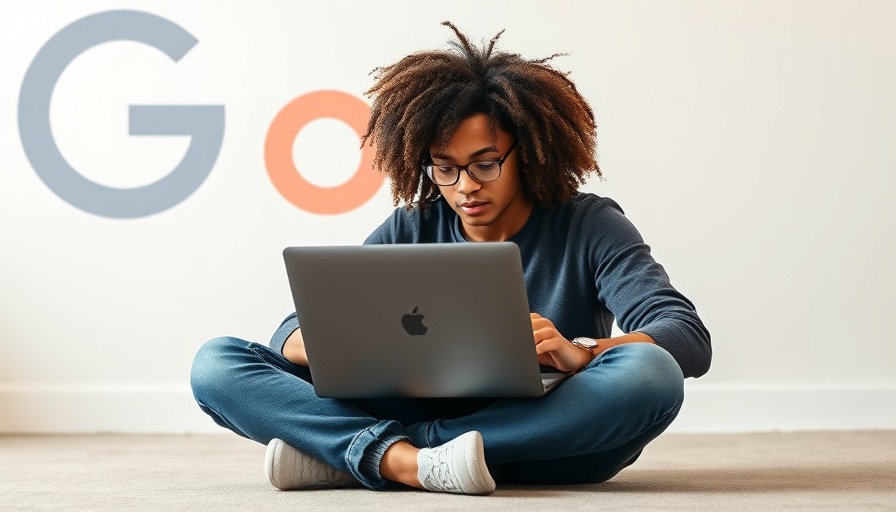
x=540, y=323
x=547, y=345
x=543, y=333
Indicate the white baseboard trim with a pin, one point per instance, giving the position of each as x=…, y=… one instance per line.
x=80, y=408
x=170, y=409
x=792, y=407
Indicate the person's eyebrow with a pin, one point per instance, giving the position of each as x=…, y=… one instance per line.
x=488, y=149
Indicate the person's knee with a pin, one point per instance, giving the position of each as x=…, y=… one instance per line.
x=650, y=374
x=209, y=373
x=661, y=380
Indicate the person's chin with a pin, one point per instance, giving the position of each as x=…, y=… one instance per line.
x=476, y=219
x=479, y=220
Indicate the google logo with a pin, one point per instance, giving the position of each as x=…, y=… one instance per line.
x=204, y=124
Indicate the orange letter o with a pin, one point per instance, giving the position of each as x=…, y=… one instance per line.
x=282, y=170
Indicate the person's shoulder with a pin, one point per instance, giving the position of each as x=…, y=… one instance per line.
x=597, y=219
x=418, y=215
x=410, y=224
x=589, y=204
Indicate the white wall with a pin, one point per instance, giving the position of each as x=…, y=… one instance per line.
x=751, y=142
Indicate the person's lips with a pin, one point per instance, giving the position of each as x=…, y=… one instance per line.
x=473, y=207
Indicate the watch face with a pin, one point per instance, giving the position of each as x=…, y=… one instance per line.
x=585, y=342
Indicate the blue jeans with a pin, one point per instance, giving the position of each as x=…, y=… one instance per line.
x=584, y=431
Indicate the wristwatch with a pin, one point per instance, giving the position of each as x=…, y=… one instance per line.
x=582, y=342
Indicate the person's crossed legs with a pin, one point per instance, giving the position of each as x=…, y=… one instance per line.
x=586, y=430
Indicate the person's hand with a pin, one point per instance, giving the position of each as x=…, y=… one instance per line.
x=555, y=350
x=294, y=348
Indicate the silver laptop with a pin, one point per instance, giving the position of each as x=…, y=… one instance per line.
x=419, y=320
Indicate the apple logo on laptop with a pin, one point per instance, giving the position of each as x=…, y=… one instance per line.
x=413, y=323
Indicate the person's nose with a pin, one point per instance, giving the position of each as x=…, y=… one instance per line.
x=466, y=184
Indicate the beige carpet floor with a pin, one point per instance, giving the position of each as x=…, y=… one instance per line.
x=736, y=472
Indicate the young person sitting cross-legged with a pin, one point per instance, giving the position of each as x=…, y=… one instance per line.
x=481, y=146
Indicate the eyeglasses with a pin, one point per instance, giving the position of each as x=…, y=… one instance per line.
x=481, y=170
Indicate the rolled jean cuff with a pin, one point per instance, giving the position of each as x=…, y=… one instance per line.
x=419, y=434
x=365, y=453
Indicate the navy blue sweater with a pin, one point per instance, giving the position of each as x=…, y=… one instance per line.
x=584, y=264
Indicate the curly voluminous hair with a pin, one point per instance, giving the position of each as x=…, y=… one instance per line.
x=420, y=100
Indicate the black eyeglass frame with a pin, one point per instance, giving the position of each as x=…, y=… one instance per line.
x=458, y=168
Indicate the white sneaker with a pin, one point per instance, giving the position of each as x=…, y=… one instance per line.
x=288, y=468
x=457, y=466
